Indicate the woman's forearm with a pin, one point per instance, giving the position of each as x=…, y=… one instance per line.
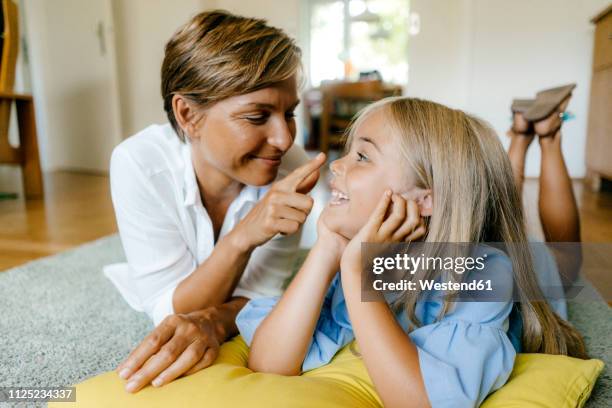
x=389, y=355
x=213, y=281
x=281, y=342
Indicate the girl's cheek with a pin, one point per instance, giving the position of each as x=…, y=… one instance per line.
x=358, y=214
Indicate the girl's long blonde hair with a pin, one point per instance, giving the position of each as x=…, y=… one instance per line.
x=461, y=160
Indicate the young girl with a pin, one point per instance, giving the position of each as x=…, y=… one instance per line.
x=414, y=170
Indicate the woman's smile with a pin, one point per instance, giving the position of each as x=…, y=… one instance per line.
x=272, y=161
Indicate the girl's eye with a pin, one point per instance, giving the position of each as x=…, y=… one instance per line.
x=290, y=115
x=361, y=157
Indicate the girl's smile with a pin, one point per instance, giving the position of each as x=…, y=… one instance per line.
x=338, y=197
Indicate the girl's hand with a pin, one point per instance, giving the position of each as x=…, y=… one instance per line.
x=330, y=242
x=282, y=210
x=394, y=219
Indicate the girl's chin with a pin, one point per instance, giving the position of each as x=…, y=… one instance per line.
x=338, y=220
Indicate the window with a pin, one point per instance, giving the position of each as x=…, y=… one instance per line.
x=352, y=36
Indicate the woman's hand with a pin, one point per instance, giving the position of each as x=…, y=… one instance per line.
x=394, y=219
x=182, y=344
x=283, y=209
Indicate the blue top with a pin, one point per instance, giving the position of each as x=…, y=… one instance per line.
x=463, y=357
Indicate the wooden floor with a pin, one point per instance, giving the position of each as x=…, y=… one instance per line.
x=595, y=211
x=77, y=208
x=595, y=227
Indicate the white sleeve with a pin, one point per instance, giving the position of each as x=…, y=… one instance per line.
x=156, y=252
x=269, y=269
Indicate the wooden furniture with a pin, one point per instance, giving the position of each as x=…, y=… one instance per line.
x=26, y=154
x=599, y=133
x=341, y=101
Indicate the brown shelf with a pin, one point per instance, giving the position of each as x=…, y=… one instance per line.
x=340, y=101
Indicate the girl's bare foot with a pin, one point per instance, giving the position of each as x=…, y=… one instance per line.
x=520, y=125
x=550, y=125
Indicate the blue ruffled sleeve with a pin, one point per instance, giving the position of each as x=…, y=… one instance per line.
x=332, y=332
x=252, y=314
x=462, y=362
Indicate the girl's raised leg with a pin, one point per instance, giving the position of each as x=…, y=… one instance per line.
x=521, y=135
x=557, y=204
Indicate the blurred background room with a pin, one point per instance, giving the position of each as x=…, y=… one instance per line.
x=80, y=76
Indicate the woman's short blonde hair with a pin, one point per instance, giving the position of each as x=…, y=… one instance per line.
x=217, y=55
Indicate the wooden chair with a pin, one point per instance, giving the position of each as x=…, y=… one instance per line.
x=341, y=101
x=26, y=154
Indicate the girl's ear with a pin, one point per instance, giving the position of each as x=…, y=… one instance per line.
x=423, y=198
x=425, y=202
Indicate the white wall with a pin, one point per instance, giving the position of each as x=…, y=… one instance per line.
x=73, y=81
x=553, y=46
x=439, y=54
x=283, y=14
x=479, y=54
x=142, y=28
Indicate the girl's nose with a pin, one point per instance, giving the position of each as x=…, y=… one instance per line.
x=337, y=167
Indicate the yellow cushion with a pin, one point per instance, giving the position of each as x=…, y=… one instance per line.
x=228, y=383
x=537, y=380
x=544, y=380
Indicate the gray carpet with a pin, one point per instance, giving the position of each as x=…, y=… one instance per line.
x=63, y=321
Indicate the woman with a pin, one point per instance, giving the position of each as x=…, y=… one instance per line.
x=209, y=207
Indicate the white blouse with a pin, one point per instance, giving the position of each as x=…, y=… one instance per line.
x=166, y=232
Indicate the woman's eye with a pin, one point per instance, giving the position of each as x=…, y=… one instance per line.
x=257, y=119
x=361, y=157
x=290, y=115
